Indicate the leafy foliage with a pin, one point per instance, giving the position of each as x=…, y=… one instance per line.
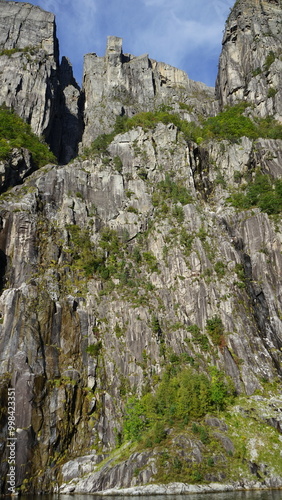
x=198, y=337
x=270, y=58
x=94, y=349
x=230, y=124
x=169, y=190
x=215, y=329
x=26, y=50
x=182, y=395
x=15, y=133
x=263, y=193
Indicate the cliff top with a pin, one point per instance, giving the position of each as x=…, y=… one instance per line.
x=25, y=25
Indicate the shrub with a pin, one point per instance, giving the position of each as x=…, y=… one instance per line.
x=135, y=420
x=271, y=92
x=118, y=164
x=178, y=213
x=151, y=261
x=269, y=60
x=183, y=394
x=215, y=329
x=15, y=133
x=263, y=193
x=94, y=349
x=26, y=50
x=198, y=337
x=186, y=240
x=155, y=324
x=168, y=189
x=220, y=268
x=230, y=124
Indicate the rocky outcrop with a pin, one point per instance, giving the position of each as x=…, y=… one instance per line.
x=250, y=65
x=14, y=170
x=121, y=84
x=29, y=61
x=31, y=80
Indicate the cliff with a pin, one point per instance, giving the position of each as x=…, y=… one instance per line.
x=33, y=83
x=121, y=84
x=250, y=63
x=140, y=307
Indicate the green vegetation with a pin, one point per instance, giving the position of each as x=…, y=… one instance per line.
x=84, y=258
x=186, y=107
x=230, y=124
x=100, y=145
x=186, y=240
x=156, y=325
x=269, y=60
x=272, y=92
x=15, y=133
x=168, y=189
x=263, y=192
x=94, y=349
x=198, y=337
x=215, y=330
x=220, y=268
x=183, y=394
x=10, y=52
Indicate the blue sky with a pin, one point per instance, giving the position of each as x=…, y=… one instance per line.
x=184, y=33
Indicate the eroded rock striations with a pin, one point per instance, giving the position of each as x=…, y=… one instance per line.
x=250, y=65
x=33, y=83
x=121, y=84
x=130, y=265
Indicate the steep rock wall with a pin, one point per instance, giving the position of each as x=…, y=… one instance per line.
x=31, y=80
x=74, y=393
x=250, y=65
x=121, y=84
x=113, y=265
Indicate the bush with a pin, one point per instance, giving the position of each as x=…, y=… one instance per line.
x=215, y=329
x=15, y=133
x=94, y=349
x=186, y=240
x=151, y=261
x=263, y=193
x=198, y=337
x=230, y=124
x=155, y=324
x=183, y=394
x=220, y=268
x=269, y=60
x=271, y=92
x=168, y=189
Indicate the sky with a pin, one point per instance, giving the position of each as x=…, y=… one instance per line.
x=184, y=33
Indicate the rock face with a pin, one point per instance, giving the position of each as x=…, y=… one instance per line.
x=111, y=269
x=121, y=84
x=250, y=65
x=30, y=77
